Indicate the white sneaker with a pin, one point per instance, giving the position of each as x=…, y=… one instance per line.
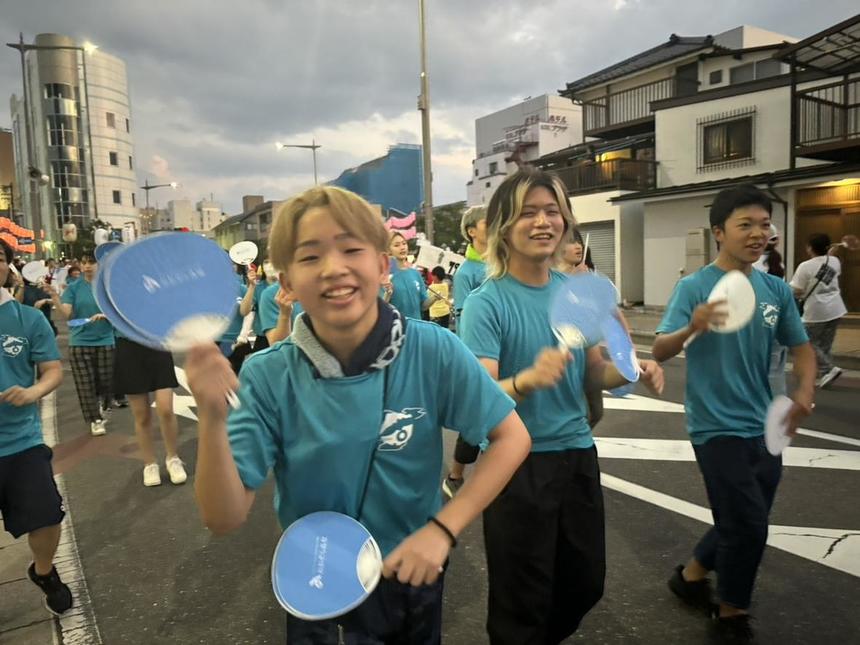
x=831, y=376
x=97, y=428
x=176, y=470
x=151, y=475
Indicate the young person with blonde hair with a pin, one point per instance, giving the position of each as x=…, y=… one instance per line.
x=347, y=412
x=544, y=534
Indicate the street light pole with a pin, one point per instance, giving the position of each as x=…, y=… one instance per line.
x=147, y=187
x=312, y=147
x=424, y=108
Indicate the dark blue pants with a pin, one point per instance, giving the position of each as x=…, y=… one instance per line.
x=394, y=614
x=741, y=477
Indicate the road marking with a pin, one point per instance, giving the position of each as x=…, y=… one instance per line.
x=78, y=625
x=835, y=548
x=682, y=450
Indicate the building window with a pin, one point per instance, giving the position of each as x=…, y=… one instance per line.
x=114, y=159
x=117, y=197
x=716, y=77
x=130, y=163
x=726, y=140
x=111, y=119
x=488, y=184
x=494, y=167
x=476, y=172
x=742, y=73
x=127, y=126
x=133, y=199
x=767, y=68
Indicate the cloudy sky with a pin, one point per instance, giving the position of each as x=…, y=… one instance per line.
x=215, y=83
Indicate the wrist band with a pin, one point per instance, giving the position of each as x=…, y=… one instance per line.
x=514, y=385
x=445, y=529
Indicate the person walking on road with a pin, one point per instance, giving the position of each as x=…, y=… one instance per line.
x=91, y=346
x=544, y=535
x=816, y=285
x=29, y=500
x=380, y=456
x=726, y=404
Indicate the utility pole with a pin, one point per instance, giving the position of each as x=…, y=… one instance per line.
x=424, y=108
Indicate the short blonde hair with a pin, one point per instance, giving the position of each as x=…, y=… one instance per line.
x=349, y=210
x=505, y=207
x=471, y=217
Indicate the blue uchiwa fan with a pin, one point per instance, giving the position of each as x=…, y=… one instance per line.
x=325, y=565
x=106, y=305
x=579, y=308
x=621, y=349
x=174, y=290
x=102, y=250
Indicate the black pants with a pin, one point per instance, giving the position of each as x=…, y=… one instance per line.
x=546, y=551
x=465, y=453
x=741, y=478
x=394, y=614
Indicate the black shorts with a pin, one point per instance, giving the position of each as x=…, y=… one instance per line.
x=29, y=499
x=141, y=370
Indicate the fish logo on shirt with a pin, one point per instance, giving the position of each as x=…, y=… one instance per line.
x=397, y=427
x=770, y=314
x=12, y=345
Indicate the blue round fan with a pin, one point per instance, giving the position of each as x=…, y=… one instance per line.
x=177, y=288
x=325, y=565
x=102, y=250
x=583, y=302
x=621, y=350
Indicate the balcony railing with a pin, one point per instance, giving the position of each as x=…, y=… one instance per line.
x=615, y=174
x=829, y=115
x=627, y=106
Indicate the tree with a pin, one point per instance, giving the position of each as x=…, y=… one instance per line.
x=446, y=226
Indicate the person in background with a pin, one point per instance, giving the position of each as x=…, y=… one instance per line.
x=91, y=346
x=771, y=263
x=440, y=310
x=467, y=278
x=816, y=283
x=407, y=287
x=35, y=296
x=30, y=503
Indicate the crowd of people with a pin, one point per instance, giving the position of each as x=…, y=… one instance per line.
x=342, y=383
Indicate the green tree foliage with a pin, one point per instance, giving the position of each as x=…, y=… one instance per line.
x=446, y=224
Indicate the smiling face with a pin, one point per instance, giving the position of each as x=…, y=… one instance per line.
x=398, y=248
x=744, y=235
x=335, y=275
x=538, y=230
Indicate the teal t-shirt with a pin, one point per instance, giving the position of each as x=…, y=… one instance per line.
x=79, y=294
x=238, y=319
x=728, y=391
x=508, y=321
x=26, y=339
x=410, y=292
x=270, y=310
x=467, y=278
x=318, y=434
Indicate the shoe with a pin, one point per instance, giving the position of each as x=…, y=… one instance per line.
x=696, y=594
x=120, y=403
x=151, y=475
x=176, y=470
x=734, y=629
x=451, y=486
x=58, y=596
x=828, y=378
x=97, y=428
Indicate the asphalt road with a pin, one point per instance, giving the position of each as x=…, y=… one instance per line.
x=155, y=575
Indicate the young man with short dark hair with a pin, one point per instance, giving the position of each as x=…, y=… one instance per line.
x=726, y=404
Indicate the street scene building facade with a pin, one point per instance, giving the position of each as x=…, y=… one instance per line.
x=72, y=125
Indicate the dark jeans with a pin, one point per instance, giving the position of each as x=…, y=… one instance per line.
x=546, y=552
x=741, y=477
x=394, y=614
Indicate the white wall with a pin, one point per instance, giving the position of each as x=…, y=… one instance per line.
x=665, y=241
x=677, y=137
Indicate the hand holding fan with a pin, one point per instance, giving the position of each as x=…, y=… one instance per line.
x=243, y=253
x=736, y=290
